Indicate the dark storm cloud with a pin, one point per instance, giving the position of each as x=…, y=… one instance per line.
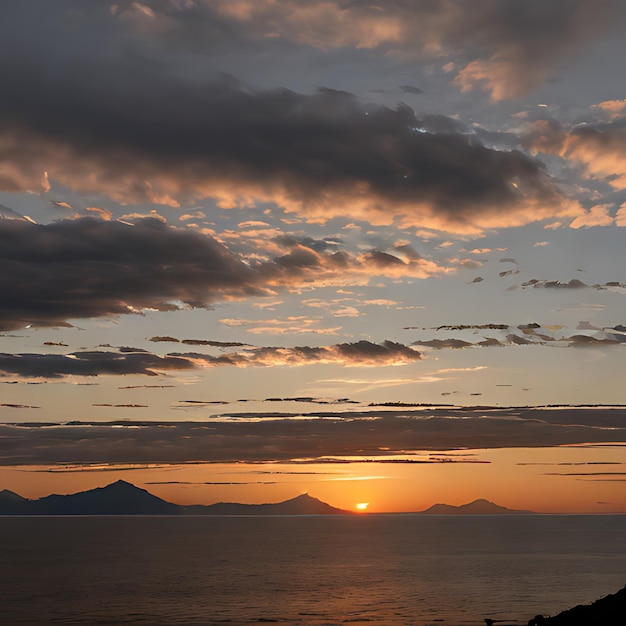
x=371, y=434
x=508, y=47
x=88, y=364
x=127, y=123
x=88, y=268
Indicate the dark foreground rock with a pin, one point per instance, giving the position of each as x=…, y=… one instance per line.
x=607, y=611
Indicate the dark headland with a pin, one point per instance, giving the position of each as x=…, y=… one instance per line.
x=607, y=611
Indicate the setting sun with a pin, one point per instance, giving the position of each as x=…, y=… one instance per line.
x=362, y=506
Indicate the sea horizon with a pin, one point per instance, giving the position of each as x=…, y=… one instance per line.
x=388, y=569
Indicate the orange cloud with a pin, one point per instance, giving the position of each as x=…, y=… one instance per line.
x=596, y=216
x=600, y=152
x=613, y=108
x=357, y=354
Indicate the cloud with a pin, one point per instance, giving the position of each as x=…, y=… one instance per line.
x=508, y=48
x=612, y=108
x=206, y=482
x=122, y=406
x=374, y=434
x=92, y=363
x=18, y=406
x=9, y=214
x=90, y=268
x=249, y=147
x=575, y=284
x=599, y=150
x=95, y=363
x=295, y=324
x=357, y=354
x=443, y=343
x=411, y=89
x=212, y=343
x=607, y=336
x=80, y=115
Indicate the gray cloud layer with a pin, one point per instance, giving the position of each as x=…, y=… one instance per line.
x=507, y=47
x=88, y=364
x=374, y=434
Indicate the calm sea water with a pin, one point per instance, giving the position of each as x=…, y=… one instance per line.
x=327, y=570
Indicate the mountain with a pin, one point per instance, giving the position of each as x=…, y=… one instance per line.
x=477, y=507
x=12, y=503
x=301, y=505
x=122, y=498
x=119, y=498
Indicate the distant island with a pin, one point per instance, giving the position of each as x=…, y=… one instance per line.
x=124, y=498
x=477, y=507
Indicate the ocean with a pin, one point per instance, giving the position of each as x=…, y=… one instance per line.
x=319, y=570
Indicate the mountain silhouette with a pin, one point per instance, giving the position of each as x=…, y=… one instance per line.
x=477, y=507
x=119, y=498
x=11, y=503
x=123, y=498
x=301, y=505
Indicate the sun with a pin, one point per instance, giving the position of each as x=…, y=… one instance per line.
x=362, y=506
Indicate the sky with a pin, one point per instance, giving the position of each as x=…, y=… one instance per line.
x=369, y=251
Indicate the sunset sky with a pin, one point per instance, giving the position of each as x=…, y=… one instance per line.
x=370, y=251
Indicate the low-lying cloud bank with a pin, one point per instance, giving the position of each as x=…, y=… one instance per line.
x=286, y=437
